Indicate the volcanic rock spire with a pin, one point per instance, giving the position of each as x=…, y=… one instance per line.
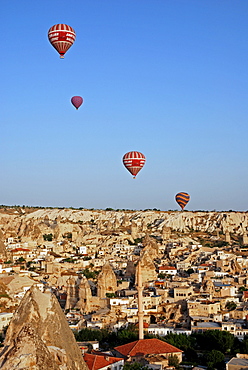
x=39, y=338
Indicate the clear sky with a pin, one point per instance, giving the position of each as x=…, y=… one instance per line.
x=168, y=78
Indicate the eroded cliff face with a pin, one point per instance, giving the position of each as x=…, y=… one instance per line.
x=32, y=225
x=39, y=337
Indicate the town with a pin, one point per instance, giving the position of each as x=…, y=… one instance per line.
x=191, y=266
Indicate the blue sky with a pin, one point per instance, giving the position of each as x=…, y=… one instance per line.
x=168, y=78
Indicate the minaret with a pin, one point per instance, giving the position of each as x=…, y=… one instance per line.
x=140, y=303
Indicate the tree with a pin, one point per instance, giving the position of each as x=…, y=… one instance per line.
x=222, y=341
x=134, y=366
x=161, y=275
x=20, y=260
x=230, y=306
x=242, y=289
x=215, y=359
x=173, y=360
x=48, y=237
x=181, y=341
x=110, y=295
x=190, y=271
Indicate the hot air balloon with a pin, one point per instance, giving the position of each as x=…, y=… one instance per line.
x=77, y=101
x=134, y=161
x=182, y=199
x=61, y=37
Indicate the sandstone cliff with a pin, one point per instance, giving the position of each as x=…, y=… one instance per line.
x=34, y=224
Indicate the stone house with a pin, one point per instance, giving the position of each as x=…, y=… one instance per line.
x=22, y=252
x=237, y=364
x=203, y=308
x=183, y=292
x=168, y=270
x=5, y=318
x=200, y=327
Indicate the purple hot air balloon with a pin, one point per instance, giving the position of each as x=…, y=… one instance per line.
x=77, y=101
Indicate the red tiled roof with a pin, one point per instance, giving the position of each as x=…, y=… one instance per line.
x=20, y=250
x=167, y=268
x=95, y=362
x=145, y=325
x=245, y=294
x=146, y=347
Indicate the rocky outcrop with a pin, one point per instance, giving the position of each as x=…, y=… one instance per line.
x=148, y=270
x=85, y=296
x=72, y=293
x=34, y=224
x=107, y=282
x=39, y=338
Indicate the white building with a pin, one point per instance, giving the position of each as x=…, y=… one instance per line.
x=5, y=318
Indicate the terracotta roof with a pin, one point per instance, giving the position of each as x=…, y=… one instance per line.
x=146, y=347
x=95, y=362
x=167, y=268
x=20, y=250
x=245, y=294
x=145, y=325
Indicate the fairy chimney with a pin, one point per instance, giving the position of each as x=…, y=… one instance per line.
x=107, y=282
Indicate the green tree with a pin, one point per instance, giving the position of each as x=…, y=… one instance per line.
x=90, y=274
x=215, y=359
x=173, y=360
x=134, y=366
x=242, y=289
x=230, y=306
x=110, y=295
x=190, y=271
x=181, y=341
x=222, y=341
x=48, y=237
x=161, y=275
x=20, y=260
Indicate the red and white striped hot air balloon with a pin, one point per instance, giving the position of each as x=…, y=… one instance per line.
x=134, y=162
x=77, y=101
x=61, y=37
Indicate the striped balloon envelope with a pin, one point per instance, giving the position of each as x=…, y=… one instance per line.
x=77, y=101
x=61, y=36
x=182, y=199
x=134, y=162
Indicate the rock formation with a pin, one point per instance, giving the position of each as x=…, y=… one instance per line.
x=85, y=296
x=148, y=270
x=39, y=338
x=166, y=232
x=134, y=230
x=34, y=223
x=130, y=270
x=107, y=282
x=72, y=293
x=151, y=246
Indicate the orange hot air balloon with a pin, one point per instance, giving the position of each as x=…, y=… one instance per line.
x=134, y=162
x=182, y=199
x=62, y=37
